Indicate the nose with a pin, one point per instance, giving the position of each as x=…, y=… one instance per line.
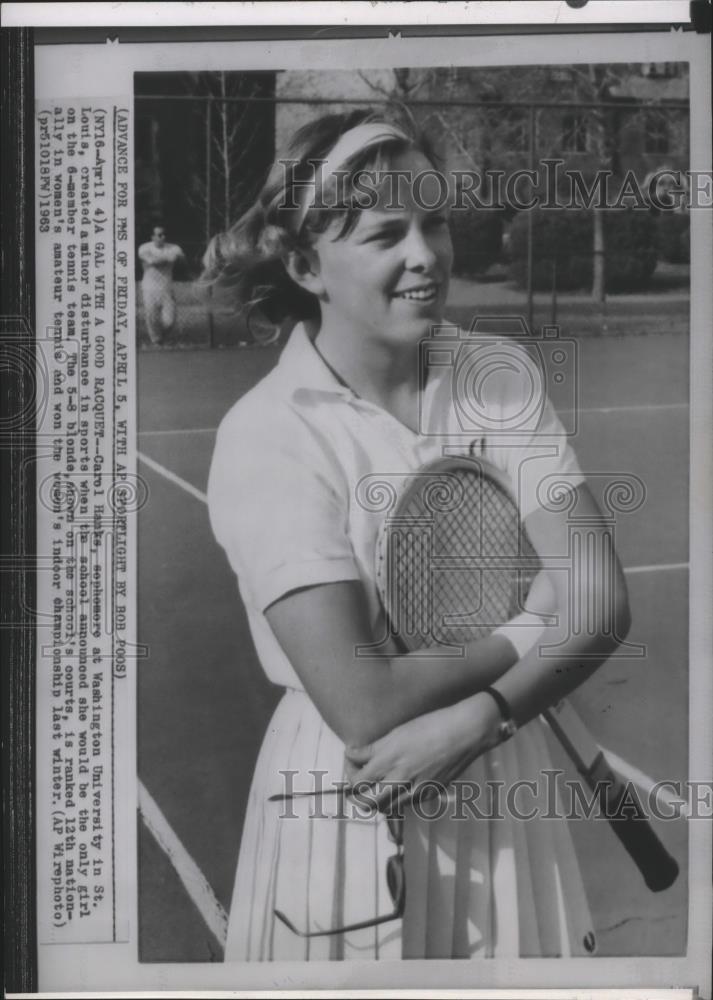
x=418, y=250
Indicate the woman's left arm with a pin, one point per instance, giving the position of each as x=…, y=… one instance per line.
x=591, y=601
x=592, y=614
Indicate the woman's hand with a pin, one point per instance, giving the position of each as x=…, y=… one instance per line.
x=436, y=747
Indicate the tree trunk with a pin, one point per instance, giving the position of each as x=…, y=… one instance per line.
x=599, y=257
x=602, y=147
x=225, y=151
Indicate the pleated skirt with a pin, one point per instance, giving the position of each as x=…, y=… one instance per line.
x=477, y=886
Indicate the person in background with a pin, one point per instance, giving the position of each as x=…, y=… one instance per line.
x=158, y=259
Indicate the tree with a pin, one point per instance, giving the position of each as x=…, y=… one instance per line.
x=204, y=142
x=503, y=119
x=600, y=87
x=496, y=137
x=239, y=146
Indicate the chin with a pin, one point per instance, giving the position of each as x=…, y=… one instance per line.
x=415, y=332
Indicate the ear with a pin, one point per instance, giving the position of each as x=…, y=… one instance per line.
x=303, y=266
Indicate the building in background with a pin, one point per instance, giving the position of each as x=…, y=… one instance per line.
x=204, y=141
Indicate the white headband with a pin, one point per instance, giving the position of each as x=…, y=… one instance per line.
x=361, y=137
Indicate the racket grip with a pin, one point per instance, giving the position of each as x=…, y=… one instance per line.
x=632, y=827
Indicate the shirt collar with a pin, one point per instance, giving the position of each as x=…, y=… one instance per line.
x=302, y=371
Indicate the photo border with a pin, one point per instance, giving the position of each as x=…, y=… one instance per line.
x=17, y=468
x=17, y=483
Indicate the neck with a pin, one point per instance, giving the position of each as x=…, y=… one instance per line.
x=373, y=370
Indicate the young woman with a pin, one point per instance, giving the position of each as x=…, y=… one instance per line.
x=365, y=276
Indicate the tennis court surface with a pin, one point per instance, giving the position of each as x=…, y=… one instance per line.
x=204, y=703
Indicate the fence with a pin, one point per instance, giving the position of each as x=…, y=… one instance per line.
x=201, y=158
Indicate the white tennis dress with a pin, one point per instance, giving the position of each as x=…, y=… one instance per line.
x=291, y=502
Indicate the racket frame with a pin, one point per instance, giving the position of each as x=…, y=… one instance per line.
x=449, y=465
x=635, y=832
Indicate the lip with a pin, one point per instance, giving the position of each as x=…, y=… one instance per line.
x=432, y=288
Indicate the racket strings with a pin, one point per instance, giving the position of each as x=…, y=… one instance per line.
x=452, y=574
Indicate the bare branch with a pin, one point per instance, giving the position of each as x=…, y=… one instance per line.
x=426, y=77
x=456, y=138
x=377, y=88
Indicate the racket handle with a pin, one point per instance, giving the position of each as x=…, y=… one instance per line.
x=637, y=836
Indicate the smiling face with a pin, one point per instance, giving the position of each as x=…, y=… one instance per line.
x=387, y=280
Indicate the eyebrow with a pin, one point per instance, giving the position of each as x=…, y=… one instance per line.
x=384, y=224
x=388, y=222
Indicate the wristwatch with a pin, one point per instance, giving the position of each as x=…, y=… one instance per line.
x=508, y=726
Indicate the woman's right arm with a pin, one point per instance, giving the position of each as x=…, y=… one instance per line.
x=277, y=509
x=361, y=698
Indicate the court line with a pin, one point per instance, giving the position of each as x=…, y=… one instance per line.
x=655, y=568
x=633, y=408
x=194, y=882
x=180, y=430
x=172, y=477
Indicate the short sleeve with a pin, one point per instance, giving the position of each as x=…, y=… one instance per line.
x=276, y=507
x=527, y=439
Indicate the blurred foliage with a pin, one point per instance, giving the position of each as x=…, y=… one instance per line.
x=477, y=236
x=563, y=249
x=673, y=231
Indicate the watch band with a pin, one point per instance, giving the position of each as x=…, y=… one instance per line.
x=500, y=701
x=508, y=726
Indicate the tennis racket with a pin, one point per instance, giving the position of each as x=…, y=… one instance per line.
x=453, y=562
